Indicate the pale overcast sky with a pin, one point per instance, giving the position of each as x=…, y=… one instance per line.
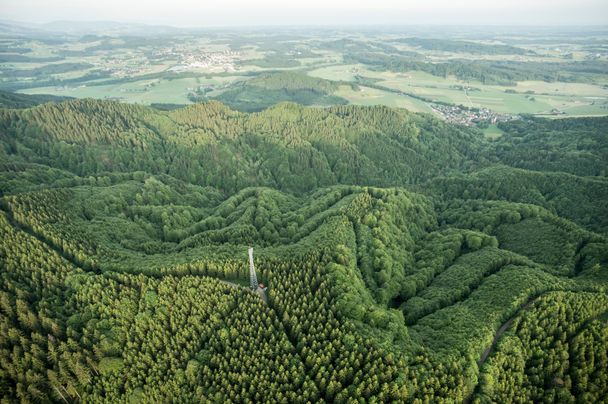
x=312, y=12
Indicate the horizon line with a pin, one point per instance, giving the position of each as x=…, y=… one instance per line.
x=307, y=25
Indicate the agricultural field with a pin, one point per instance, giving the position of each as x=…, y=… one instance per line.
x=171, y=91
x=404, y=70
x=529, y=97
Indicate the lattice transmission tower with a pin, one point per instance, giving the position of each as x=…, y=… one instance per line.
x=253, y=279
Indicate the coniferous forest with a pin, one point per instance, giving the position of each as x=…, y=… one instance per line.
x=407, y=259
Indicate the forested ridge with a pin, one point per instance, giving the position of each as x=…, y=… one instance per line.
x=394, y=246
x=16, y=100
x=270, y=88
x=496, y=72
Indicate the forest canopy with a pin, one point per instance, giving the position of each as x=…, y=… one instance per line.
x=406, y=259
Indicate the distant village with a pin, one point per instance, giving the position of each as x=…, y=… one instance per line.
x=131, y=64
x=193, y=59
x=470, y=117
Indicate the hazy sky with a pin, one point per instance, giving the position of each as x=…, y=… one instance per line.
x=312, y=12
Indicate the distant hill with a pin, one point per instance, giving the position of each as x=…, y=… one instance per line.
x=107, y=28
x=447, y=45
x=268, y=89
x=27, y=30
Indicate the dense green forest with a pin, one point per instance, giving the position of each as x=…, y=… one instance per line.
x=268, y=89
x=406, y=259
x=449, y=45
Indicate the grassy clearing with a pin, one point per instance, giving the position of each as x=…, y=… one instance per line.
x=372, y=96
x=492, y=132
x=336, y=72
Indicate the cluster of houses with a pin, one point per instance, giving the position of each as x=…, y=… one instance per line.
x=189, y=59
x=125, y=65
x=470, y=116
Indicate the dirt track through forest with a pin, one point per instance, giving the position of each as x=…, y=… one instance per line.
x=502, y=330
